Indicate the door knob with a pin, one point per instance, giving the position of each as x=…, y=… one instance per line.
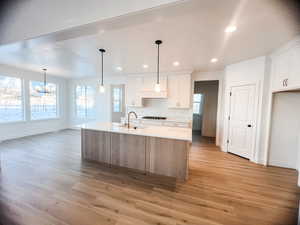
x=249, y=125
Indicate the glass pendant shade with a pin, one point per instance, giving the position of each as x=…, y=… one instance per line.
x=101, y=88
x=38, y=89
x=157, y=88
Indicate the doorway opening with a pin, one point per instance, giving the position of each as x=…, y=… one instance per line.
x=205, y=111
x=117, y=102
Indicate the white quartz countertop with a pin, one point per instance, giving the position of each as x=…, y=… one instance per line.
x=177, y=133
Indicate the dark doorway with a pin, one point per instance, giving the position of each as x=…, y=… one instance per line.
x=205, y=108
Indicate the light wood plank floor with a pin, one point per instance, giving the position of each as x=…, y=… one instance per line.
x=44, y=182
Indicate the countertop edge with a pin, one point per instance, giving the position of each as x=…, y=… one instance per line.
x=145, y=135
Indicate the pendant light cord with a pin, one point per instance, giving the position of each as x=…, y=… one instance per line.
x=102, y=52
x=157, y=64
x=102, y=69
x=158, y=42
x=45, y=79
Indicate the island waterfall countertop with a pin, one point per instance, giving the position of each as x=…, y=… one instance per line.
x=177, y=133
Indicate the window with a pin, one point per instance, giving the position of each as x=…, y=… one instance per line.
x=117, y=99
x=11, y=99
x=197, y=103
x=85, y=102
x=43, y=105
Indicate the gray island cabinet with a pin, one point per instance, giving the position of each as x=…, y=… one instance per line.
x=140, y=150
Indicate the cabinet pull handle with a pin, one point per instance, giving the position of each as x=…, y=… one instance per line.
x=286, y=82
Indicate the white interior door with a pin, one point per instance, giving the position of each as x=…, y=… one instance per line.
x=241, y=119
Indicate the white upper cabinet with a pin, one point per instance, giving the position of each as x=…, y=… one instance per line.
x=179, y=91
x=281, y=70
x=176, y=88
x=286, y=70
x=294, y=80
x=133, y=89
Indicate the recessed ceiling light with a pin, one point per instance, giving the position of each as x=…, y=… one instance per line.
x=119, y=68
x=213, y=60
x=176, y=63
x=230, y=29
x=145, y=66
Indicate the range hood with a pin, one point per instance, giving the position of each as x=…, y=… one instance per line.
x=148, y=92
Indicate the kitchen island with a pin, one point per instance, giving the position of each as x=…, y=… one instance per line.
x=150, y=150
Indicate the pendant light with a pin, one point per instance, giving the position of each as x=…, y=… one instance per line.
x=44, y=89
x=101, y=87
x=157, y=85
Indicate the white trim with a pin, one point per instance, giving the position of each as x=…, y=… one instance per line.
x=286, y=47
x=288, y=88
x=219, y=112
x=22, y=100
x=257, y=123
x=171, y=73
x=268, y=129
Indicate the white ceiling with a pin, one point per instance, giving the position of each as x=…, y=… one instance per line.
x=192, y=33
x=48, y=16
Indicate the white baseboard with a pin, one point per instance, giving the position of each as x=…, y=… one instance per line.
x=261, y=162
x=279, y=163
x=223, y=148
x=33, y=134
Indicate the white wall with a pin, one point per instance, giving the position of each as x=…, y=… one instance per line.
x=26, y=128
x=246, y=72
x=44, y=17
x=219, y=76
x=285, y=130
x=103, y=100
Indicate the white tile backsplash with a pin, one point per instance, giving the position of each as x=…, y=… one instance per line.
x=159, y=107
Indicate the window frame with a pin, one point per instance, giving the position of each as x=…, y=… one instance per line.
x=198, y=102
x=86, y=117
x=120, y=101
x=58, y=116
x=23, y=101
